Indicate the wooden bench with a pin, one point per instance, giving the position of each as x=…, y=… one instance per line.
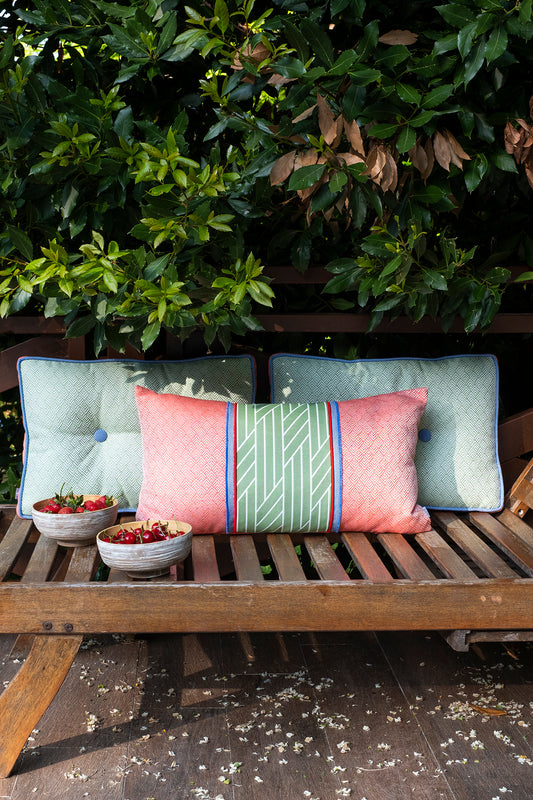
x=470, y=577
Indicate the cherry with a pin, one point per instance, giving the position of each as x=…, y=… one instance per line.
x=147, y=536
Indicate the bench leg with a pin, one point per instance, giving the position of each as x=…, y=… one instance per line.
x=31, y=691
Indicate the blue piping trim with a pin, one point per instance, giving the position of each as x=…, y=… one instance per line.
x=230, y=467
x=337, y=466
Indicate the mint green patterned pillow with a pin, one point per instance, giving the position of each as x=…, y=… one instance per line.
x=457, y=451
x=81, y=422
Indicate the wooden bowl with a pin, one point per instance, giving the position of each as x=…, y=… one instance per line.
x=74, y=530
x=148, y=560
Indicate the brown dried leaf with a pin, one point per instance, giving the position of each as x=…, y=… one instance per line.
x=306, y=158
x=338, y=135
x=389, y=179
x=304, y=114
x=458, y=154
x=418, y=157
x=511, y=138
x=353, y=133
x=279, y=80
x=491, y=712
x=398, y=37
x=374, y=163
x=350, y=158
x=528, y=164
x=326, y=121
x=428, y=149
x=256, y=56
x=443, y=151
x=282, y=168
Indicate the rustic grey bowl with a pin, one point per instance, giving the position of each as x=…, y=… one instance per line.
x=73, y=530
x=147, y=560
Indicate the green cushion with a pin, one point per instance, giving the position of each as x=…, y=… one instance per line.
x=81, y=421
x=457, y=452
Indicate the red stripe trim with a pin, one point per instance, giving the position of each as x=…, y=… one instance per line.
x=332, y=460
x=234, y=467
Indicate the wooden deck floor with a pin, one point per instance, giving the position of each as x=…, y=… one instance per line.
x=292, y=717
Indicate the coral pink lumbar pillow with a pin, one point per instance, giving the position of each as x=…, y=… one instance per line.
x=318, y=467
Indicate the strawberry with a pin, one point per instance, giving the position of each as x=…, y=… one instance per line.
x=66, y=510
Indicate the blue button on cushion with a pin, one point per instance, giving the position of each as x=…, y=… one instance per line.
x=458, y=465
x=81, y=422
x=424, y=435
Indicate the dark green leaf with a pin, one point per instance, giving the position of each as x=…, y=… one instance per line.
x=383, y=130
x=122, y=42
x=408, y=94
x=438, y=95
x=474, y=62
x=497, y=44
x=221, y=11
x=150, y=334
x=369, y=40
x=80, y=326
x=343, y=63
x=504, y=161
x=167, y=34
x=123, y=125
x=422, y=119
x=364, y=76
x=305, y=177
x=319, y=41
x=406, y=139
x=455, y=14
x=475, y=172
x=21, y=241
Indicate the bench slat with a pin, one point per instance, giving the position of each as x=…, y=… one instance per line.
x=245, y=558
x=326, y=562
x=489, y=561
x=449, y=562
x=41, y=561
x=365, y=557
x=82, y=564
x=517, y=525
x=516, y=549
x=405, y=558
x=13, y=541
x=204, y=559
x=285, y=558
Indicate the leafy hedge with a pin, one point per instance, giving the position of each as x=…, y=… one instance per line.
x=154, y=155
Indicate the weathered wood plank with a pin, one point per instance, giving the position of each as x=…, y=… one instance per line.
x=204, y=559
x=31, y=691
x=365, y=557
x=407, y=561
x=245, y=558
x=449, y=562
x=16, y=535
x=285, y=558
x=515, y=548
x=296, y=606
x=41, y=560
x=324, y=559
x=489, y=561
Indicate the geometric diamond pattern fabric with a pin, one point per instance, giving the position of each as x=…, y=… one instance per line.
x=81, y=422
x=457, y=451
x=275, y=468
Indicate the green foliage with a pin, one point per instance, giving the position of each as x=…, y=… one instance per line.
x=154, y=155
